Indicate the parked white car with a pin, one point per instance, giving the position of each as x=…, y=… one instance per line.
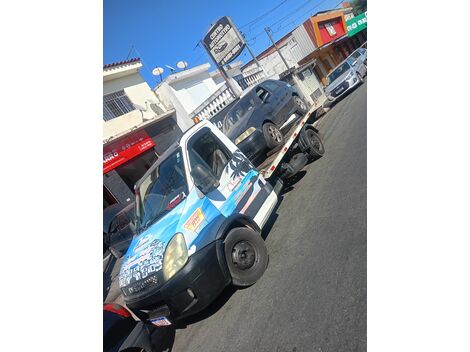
x=346, y=76
x=361, y=54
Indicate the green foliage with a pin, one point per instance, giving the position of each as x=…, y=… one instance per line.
x=359, y=6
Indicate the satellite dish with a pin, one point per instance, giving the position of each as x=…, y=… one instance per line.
x=171, y=68
x=157, y=71
x=182, y=65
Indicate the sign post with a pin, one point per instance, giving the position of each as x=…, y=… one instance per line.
x=224, y=43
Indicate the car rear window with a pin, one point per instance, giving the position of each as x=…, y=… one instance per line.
x=237, y=112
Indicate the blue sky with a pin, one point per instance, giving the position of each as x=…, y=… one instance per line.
x=164, y=32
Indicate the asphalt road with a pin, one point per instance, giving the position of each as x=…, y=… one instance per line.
x=312, y=296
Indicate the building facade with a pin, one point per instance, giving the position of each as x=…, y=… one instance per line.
x=137, y=128
x=313, y=49
x=198, y=93
x=294, y=46
x=329, y=31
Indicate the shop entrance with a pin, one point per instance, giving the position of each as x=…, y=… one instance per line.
x=108, y=198
x=134, y=169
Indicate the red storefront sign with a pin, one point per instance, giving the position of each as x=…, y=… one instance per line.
x=331, y=30
x=125, y=149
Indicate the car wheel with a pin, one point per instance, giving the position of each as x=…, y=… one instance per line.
x=272, y=135
x=316, y=149
x=361, y=79
x=301, y=106
x=246, y=256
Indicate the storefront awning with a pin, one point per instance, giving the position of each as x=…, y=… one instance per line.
x=124, y=149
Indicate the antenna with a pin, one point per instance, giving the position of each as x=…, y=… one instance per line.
x=182, y=65
x=171, y=68
x=157, y=71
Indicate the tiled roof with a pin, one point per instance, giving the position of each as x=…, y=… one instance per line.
x=136, y=59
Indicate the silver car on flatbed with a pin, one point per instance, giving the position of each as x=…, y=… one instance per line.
x=346, y=76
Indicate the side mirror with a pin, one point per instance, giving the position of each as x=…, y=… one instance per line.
x=204, y=179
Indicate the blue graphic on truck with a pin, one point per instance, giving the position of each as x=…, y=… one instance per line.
x=178, y=217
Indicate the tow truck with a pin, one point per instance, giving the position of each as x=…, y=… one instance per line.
x=200, y=209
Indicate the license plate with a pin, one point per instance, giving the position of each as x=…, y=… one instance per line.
x=161, y=321
x=339, y=90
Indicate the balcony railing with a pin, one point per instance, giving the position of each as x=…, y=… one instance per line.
x=250, y=78
x=223, y=96
x=212, y=105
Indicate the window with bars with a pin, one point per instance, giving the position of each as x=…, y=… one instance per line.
x=115, y=105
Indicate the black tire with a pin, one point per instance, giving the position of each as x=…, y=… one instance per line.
x=272, y=135
x=316, y=148
x=246, y=256
x=361, y=79
x=301, y=105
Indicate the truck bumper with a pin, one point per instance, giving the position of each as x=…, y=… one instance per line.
x=192, y=289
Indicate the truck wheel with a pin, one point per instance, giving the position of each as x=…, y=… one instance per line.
x=301, y=106
x=272, y=135
x=246, y=256
x=316, y=148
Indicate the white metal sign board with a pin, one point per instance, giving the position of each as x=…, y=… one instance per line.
x=223, y=41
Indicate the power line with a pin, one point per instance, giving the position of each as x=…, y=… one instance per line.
x=291, y=13
x=284, y=18
x=293, y=21
x=263, y=15
x=143, y=62
x=254, y=25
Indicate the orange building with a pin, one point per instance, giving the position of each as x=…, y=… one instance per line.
x=328, y=31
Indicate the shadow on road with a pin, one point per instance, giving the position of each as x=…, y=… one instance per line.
x=228, y=291
x=213, y=308
x=290, y=182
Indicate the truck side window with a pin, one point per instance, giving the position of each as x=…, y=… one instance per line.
x=210, y=152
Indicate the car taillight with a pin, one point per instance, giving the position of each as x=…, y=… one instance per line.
x=118, y=309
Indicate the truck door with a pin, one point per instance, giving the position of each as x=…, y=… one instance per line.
x=240, y=184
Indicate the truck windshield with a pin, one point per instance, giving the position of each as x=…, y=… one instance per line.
x=239, y=110
x=338, y=72
x=162, y=190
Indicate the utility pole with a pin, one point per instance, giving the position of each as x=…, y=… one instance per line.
x=234, y=91
x=295, y=78
x=267, y=29
x=253, y=55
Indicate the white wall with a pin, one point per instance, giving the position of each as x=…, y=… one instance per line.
x=273, y=65
x=188, y=93
x=138, y=92
x=168, y=96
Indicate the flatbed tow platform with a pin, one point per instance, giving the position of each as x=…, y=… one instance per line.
x=275, y=159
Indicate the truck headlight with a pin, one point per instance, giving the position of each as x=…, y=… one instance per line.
x=350, y=75
x=175, y=257
x=245, y=135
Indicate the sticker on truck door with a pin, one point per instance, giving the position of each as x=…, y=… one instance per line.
x=195, y=220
